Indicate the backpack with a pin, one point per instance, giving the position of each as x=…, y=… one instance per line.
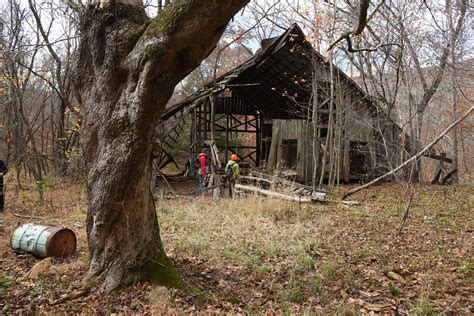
x=230, y=171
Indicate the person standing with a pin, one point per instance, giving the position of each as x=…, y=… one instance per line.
x=202, y=172
x=232, y=173
x=3, y=171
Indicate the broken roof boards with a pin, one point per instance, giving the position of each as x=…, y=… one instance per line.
x=275, y=81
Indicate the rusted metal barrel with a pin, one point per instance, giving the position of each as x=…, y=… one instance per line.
x=44, y=241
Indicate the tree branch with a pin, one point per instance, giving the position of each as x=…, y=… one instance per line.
x=418, y=155
x=444, y=59
x=76, y=6
x=176, y=36
x=361, y=24
x=53, y=53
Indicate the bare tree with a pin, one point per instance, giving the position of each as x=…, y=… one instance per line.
x=400, y=68
x=37, y=70
x=21, y=108
x=60, y=81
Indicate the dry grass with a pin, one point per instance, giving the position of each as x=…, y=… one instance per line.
x=326, y=257
x=257, y=255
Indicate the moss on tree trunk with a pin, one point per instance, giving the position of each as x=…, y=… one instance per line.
x=127, y=68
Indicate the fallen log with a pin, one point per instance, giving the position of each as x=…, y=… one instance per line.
x=275, y=179
x=449, y=176
x=166, y=181
x=293, y=189
x=278, y=195
x=316, y=196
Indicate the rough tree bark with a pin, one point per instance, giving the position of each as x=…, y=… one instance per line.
x=127, y=68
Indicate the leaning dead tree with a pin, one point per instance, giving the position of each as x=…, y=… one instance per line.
x=128, y=66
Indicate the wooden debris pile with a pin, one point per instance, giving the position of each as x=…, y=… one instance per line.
x=280, y=188
x=443, y=174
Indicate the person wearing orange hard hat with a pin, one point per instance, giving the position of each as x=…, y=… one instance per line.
x=232, y=173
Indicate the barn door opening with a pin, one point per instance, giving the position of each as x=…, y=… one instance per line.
x=358, y=156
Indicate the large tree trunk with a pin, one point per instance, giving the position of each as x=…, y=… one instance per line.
x=128, y=66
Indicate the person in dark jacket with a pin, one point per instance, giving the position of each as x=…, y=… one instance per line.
x=3, y=171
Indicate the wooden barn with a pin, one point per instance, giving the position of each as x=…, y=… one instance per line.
x=280, y=110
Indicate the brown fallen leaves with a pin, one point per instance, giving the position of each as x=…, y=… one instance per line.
x=260, y=256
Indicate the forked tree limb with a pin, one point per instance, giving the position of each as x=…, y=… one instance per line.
x=362, y=21
x=406, y=163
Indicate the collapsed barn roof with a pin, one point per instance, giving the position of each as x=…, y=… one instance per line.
x=275, y=82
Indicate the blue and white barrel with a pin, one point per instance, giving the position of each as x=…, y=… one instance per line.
x=44, y=241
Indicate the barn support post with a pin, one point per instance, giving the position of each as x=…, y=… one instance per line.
x=279, y=145
x=193, y=140
x=345, y=139
x=275, y=155
x=205, y=122
x=330, y=130
x=258, y=139
x=213, y=151
x=316, y=133
x=212, y=101
x=227, y=119
x=301, y=158
x=199, y=127
x=339, y=133
x=346, y=158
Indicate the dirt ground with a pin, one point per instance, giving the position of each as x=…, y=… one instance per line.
x=255, y=255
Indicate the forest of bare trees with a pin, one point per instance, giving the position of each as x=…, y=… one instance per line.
x=408, y=58
x=83, y=85
x=40, y=121
x=413, y=59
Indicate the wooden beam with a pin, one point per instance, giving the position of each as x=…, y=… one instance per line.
x=282, y=196
x=288, y=183
x=441, y=157
x=449, y=175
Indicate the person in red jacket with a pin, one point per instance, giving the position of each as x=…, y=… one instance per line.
x=202, y=172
